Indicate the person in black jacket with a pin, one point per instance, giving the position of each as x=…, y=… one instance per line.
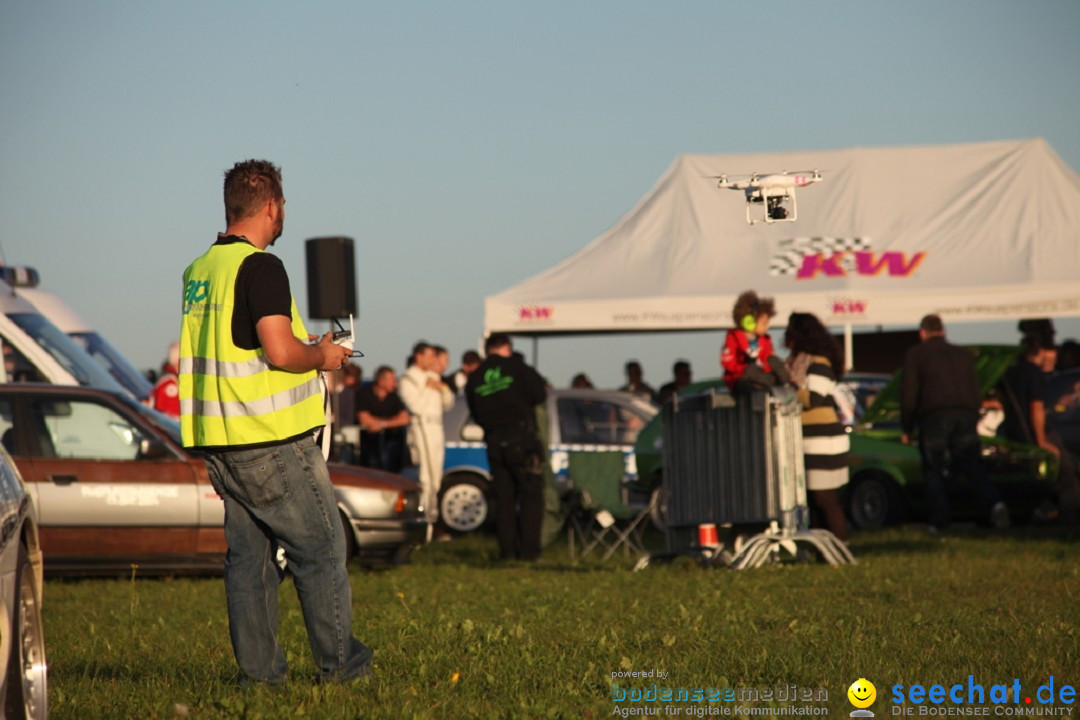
x=502, y=395
x=940, y=394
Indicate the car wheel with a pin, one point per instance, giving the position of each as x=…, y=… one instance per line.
x=350, y=537
x=875, y=501
x=464, y=505
x=26, y=695
x=658, y=509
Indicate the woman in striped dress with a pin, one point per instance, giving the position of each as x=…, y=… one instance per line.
x=815, y=364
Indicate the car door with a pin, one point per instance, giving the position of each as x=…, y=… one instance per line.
x=106, y=487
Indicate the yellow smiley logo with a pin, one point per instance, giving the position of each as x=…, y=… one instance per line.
x=862, y=693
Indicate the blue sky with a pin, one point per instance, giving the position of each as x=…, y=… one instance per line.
x=466, y=146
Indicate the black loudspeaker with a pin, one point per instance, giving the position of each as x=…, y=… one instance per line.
x=331, y=277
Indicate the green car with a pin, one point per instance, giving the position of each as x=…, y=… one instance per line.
x=886, y=475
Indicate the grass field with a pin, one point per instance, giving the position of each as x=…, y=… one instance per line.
x=457, y=635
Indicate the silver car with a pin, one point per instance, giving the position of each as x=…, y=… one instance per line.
x=113, y=486
x=23, y=678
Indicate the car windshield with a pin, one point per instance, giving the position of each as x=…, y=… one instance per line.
x=116, y=364
x=593, y=420
x=64, y=351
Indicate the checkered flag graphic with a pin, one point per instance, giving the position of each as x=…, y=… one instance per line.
x=789, y=257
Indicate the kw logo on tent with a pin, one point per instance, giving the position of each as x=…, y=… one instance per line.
x=535, y=312
x=847, y=306
x=808, y=258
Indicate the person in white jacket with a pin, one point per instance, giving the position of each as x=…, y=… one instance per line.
x=426, y=397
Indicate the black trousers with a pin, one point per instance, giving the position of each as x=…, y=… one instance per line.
x=517, y=471
x=950, y=440
x=1068, y=489
x=383, y=451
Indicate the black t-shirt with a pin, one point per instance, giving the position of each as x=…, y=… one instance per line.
x=262, y=289
x=388, y=407
x=1024, y=383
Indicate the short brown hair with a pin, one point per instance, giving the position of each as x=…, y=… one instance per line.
x=932, y=324
x=1034, y=343
x=249, y=185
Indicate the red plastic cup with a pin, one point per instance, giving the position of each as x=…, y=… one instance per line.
x=707, y=536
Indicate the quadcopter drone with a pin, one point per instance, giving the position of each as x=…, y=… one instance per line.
x=774, y=193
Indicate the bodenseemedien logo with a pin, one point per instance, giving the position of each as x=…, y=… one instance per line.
x=862, y=694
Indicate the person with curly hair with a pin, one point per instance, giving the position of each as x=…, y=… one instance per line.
x=815, y=364
x=747, y=345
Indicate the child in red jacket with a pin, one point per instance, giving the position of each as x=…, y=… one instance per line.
x=748, y=344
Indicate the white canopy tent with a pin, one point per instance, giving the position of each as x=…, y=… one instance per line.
x=986, y=231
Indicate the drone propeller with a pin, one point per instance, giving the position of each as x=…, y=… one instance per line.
x=751, y=181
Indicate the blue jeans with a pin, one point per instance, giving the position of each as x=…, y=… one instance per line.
x=274, y=497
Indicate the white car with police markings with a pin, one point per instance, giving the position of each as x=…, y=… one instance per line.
x=578, y=421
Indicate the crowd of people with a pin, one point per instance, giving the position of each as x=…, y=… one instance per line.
x=392, y=421
x=244, y=380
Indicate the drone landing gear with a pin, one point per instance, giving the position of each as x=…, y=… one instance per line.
x=773, y=206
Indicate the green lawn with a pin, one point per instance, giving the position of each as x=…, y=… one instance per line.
x=457, y=635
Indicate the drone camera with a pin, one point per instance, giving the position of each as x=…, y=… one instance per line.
x=776, y=209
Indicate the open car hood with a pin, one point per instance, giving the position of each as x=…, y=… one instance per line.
x=991, y=362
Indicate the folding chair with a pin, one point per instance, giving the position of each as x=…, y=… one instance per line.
x=603, y=517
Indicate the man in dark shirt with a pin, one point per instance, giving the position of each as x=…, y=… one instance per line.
x=940, y=395
x=1023, y=391
x=503, y=394
x=683, y=375
x=383, y=419
x=635, y=382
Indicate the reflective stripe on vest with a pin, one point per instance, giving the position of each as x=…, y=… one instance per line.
x=228, y=395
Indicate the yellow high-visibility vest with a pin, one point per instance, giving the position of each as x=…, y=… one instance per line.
x=228, y=395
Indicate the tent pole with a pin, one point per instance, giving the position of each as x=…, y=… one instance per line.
x=536, y=351
x=849, y=348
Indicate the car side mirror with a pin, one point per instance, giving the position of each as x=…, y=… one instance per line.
x=472, y=432
x=152, y=449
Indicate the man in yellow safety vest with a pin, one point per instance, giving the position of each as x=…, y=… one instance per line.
x=251, y=399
